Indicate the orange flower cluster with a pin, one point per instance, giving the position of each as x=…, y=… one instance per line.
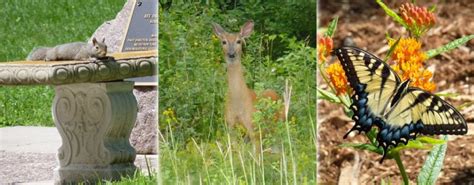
x=325, y=46
x=418, y=19
x=409, y=63
x=338, y=77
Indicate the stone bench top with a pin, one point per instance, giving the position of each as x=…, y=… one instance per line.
x=117, y=67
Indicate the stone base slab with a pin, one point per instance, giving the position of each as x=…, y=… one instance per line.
x=91, y=174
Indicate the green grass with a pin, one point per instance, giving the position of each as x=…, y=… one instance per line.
x=138, y=178
x=30, y=23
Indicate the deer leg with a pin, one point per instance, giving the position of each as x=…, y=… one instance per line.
x=254, y=137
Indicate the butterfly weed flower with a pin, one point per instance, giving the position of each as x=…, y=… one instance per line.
x=418, y=19
x=325, y=45
x=337, y=77
x=408, y=50
x=409, y=60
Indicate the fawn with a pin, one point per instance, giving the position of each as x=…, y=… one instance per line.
x=240, y=100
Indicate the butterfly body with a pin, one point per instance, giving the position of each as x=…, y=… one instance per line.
x=399, y=111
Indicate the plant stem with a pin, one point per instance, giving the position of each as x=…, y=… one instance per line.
x=396, y=156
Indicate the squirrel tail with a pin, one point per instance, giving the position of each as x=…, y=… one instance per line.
x=37, y=54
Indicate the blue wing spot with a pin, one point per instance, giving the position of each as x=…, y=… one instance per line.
x=360, y=88
x=362, y=102
x=387, y=137
x=405, y=132
x=362, y=115
x=390, y=136
x=367, y=123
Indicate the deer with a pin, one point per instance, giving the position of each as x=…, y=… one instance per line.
x=240, y=99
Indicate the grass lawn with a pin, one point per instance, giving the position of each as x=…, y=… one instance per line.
x=27, y=24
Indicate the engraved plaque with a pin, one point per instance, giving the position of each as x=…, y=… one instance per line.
x=142, y=35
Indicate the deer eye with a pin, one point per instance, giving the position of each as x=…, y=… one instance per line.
x=238, y=41
x=224, y=42
x=97, y=47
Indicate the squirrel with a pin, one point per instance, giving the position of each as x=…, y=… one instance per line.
x=70, y=51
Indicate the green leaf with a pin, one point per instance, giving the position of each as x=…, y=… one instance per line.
x=453, y=44
x=422, y=143
x=412, y=144
x=433, y=164
x=363, y=146
x=349, y=112
x=432, y=8
x=331, y=27
x=346, y=100
x=464, y=105
x=392, y=13
x=448, y=94
x=372, y=135
x=327, y=95
x=390, y=51
x=430, y=140
x=387, y=36
x=272, y=37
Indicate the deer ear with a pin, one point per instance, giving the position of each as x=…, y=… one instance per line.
x=218, y=30
x=246, y=29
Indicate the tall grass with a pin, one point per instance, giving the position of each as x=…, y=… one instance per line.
x=231, y=160
x=26, y=24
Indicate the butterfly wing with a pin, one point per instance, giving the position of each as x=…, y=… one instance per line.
x=374, y=84
x=416, y=112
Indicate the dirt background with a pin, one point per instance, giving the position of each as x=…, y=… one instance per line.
x=364, y=24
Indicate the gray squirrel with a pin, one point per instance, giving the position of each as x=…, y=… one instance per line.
x=70, y=51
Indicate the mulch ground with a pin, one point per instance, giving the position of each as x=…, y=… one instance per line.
x=365, y=24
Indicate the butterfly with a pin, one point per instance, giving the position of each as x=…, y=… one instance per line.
x=399, y=111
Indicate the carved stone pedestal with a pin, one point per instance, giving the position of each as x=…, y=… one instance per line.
x=95, y=121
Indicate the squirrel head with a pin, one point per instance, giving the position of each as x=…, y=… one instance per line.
x=100, y=49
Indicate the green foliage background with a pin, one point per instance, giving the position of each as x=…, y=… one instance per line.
x=192, y=81
x=29, y=23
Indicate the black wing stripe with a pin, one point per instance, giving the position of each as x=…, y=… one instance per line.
x=385, y=74
x=348, y=67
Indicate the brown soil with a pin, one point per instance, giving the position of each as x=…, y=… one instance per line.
x=366, y=24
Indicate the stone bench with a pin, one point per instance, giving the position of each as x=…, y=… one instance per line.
x=93, y=109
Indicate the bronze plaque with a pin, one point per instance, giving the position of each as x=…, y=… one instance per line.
x=142, y=35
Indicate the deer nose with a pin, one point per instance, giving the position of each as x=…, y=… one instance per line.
x=231, y=55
